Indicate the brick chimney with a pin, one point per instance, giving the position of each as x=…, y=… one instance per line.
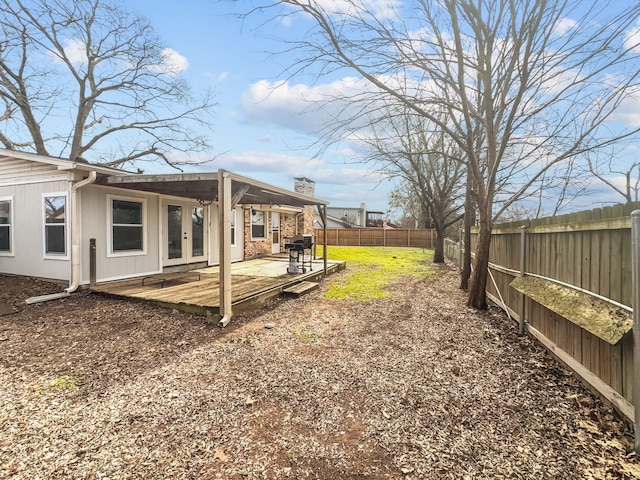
x=305, y=186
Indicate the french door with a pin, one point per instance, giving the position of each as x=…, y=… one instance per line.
x=185, y=233
x=275, y=232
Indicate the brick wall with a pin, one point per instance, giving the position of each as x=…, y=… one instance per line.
x=288, y=225
x=288, y=228
x=256, y=248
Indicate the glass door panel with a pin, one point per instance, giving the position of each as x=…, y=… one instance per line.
x=197, y=231
x=174, y=231
x=275, y=232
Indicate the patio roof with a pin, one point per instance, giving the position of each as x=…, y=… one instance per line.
x=204, y=187
x=228, y=190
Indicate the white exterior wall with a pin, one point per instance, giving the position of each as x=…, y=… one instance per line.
x=237, y=250
x=355, y=216
x=96, y=223
x=28, y=254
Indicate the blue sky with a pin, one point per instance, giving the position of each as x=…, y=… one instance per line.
x=254, y=133
x=261, y=132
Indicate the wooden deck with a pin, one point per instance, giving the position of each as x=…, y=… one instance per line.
x=253, y=283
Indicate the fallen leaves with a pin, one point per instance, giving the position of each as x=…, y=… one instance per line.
x=409, y=387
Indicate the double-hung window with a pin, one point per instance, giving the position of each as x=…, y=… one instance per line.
x=6, y=220
x=258, y=225
x=127, y=229
x=55, y=225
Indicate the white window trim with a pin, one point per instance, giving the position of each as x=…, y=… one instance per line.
x=67, y=210
x=266, y=224
x=12, y=227
x=126, y=253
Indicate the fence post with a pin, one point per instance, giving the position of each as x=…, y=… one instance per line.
x=523, y=268
x=635, y=281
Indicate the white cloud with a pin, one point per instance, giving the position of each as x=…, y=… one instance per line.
x=342, y=185
x=632, y=38
x=628, y=112
x=75, y=51
x=303, y=108
x=378, y=8
x=172, y=62
x=258, y=164
x=564, y=25
x=254, y=163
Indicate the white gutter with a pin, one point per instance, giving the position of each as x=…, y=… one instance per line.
x=224, y=228
x=75, y=231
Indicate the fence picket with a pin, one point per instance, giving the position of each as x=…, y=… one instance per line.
x=377, y=237
x=589, y=250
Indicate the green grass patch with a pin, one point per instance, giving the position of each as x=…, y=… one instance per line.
x=64, y=383
x=305, y=334
x=370, y=269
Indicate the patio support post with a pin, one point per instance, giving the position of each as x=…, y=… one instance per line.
x=323, y=216
x=635, y=298
x=224, y=229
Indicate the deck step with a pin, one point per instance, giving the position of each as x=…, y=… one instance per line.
x=301, y=288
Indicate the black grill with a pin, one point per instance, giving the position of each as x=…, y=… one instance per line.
x=298, y=258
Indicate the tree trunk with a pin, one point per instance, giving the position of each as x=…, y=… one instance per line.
x=469, y=217
x=478, y=289
x=438, y=253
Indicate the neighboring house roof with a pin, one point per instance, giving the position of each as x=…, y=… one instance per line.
x=341, y=221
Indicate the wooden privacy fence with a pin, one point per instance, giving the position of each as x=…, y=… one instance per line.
x=371, y=237
x=570, y=279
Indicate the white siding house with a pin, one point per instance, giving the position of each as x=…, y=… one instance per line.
x=52, y=209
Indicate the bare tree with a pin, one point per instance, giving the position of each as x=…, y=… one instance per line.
x=521, y=86
x=408, y=210
x=430, y=166
x=610, y=169
x=87, y=76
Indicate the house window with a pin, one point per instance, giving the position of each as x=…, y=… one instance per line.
x=55, y=225
x=233, y=228
x=5, y=225
x=127, y=225
x=258, y=227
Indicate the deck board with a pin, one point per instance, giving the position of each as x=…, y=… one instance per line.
x=301, y=288
x=199, y=290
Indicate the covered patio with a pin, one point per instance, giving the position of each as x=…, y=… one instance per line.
x=224, y=190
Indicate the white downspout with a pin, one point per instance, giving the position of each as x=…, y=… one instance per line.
x=75, y=231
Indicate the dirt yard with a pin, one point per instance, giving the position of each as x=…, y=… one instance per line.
x=413, y=387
